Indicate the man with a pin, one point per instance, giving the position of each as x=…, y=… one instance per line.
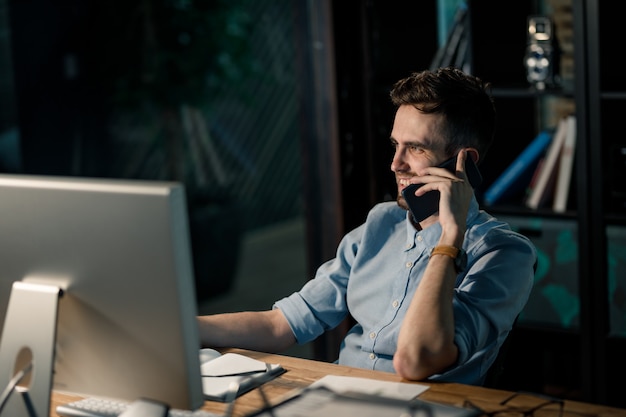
x=433, y=299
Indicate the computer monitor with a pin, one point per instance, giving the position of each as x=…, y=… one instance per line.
x=118, y=254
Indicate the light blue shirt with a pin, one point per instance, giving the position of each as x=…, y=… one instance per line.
x=374, y=276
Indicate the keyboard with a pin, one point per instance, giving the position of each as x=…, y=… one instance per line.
x=101, y=407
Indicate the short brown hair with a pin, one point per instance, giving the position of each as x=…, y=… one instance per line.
x=464, y=100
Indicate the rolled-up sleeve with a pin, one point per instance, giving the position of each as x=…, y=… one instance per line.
x=321, y=303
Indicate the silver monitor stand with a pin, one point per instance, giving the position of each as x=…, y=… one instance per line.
x=27, y=349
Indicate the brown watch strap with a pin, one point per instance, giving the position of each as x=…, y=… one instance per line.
x=450, y=251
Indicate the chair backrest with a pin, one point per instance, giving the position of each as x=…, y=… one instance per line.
x=494, y=376
x=496, y=371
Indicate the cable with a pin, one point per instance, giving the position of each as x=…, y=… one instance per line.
x=17, y=378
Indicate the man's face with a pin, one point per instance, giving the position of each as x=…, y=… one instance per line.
x=417, y=142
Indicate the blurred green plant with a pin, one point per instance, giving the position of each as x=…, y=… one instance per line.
x=171, y=52
x=163, y=65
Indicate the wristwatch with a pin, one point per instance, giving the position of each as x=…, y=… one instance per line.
x=458, y=256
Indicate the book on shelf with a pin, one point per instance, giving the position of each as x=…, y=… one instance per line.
x=455, y=50
x=543, y=191
x=533, y=179
x=517, y=175
x=566, y=165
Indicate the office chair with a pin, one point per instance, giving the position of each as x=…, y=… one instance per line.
x=495, y=373
x=493, y=379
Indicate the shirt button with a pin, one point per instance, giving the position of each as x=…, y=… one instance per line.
x=395, y=304
x=408, y=245
x=409, y=264
x=372, y=356
x=419, y=238
x=372, y=335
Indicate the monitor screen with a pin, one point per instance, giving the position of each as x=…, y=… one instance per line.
x=119, y=250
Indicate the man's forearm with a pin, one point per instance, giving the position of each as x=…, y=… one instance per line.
x=426, y=340
x=266, y=331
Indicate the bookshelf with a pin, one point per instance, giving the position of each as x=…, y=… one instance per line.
x=572, y=336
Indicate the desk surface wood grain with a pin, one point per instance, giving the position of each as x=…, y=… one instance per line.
x=302, y=372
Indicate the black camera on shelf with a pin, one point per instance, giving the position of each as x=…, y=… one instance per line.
x=542, y=53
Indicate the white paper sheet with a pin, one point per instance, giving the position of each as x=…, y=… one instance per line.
x=397, y=390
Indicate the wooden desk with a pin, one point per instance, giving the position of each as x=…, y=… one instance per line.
x=302, y=372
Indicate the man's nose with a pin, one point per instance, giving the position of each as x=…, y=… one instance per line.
x=398, y=163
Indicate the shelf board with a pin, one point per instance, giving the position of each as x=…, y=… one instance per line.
x=613, y=95
x=529, y=92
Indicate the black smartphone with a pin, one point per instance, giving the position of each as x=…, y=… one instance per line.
x=428, y=204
